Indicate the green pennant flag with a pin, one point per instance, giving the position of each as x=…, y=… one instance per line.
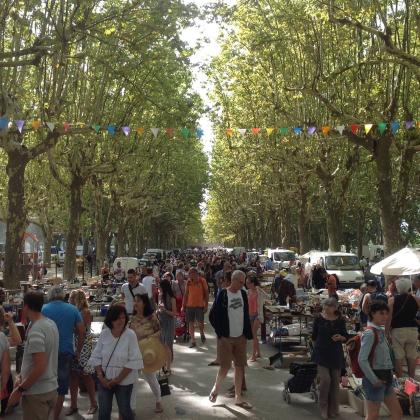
x=381, y=128
x=96, y=127
x=283, y=131
x=185, y=132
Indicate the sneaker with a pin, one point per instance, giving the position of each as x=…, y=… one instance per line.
x=193, y=344
x=203, y=338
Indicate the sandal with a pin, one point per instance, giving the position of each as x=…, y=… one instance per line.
x=245, y=405
x=214, y=363
x=92, y=410
x=72, y=411
x=213, y=397
x=252, y=359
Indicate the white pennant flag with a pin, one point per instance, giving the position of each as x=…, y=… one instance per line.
x=242, y=131
x=340, y=129
x=51, y=126
x=155, y=132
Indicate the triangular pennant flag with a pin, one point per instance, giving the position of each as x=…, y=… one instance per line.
x=36, y=124
x=155, y=131
x=140, y=131
x=297, y=130
x=81, y=125
x=326, y=130
x=311, y=130
x=409, y=124
x=4, y=123
x=354, y=128
x=51, y=126
x=255, y=130
x=269, y=131
x=111, y=129
x=368, y=127
x=418, y=124
x=340, y=129
x=395, y=125
x=96, y=127
x=199, y=132
x=185, y=132
x=241, y=131
x=229, y=132
x=381, y=128
x=170, y=132
x=283, y=131
x=66, y=126
x=19, y=125
x=126, y=130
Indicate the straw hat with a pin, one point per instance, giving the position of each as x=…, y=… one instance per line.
x=153, y=353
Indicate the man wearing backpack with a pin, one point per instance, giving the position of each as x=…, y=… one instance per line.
x=371, y=295
x=230, y=319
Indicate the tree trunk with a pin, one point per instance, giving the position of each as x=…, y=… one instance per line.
x=101, y=244
x=390, y=222
x=334, y=218
x=303, y=221
x=16, y=219
x=47, y=245
x=121, y=241
x=286, y=228
x=75, y=212
x=360, y=233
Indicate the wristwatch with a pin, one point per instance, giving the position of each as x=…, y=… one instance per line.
x=21, y=389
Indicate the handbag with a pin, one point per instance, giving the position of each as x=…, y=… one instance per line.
x=164, y=386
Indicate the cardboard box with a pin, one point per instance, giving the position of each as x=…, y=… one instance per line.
x=359, y=405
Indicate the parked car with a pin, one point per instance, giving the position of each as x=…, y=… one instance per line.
x=344, y=265
x=126, y=263
x=282, y=258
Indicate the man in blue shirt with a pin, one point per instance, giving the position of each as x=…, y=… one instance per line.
x=69, y=322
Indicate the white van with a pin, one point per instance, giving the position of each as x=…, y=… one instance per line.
x=282, y=258
x=345, y=266
x=126, y=263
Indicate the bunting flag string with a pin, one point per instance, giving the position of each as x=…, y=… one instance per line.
x=366, y=129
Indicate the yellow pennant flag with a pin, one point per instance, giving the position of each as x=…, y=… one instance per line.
x=229, y=132
x=326, y=130
x=140, y=131
x=418, y=124
x=368, y=127
x=36, y=124
x=269, y=131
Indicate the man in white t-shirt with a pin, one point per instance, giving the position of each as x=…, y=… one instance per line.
x=130, y=289
x=149, y=282
x=230, y=319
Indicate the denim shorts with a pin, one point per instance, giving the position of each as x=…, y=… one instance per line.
x=253, y=317
x=377, y=394
x=63, y=372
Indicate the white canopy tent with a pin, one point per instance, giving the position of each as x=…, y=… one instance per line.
x=405, y=262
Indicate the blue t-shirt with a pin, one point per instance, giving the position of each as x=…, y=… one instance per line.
x=66, y=317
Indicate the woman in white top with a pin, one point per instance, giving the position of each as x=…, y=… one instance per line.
x=116, y=359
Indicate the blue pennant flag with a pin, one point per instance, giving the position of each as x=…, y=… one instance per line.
x=297, y=130
x=395, y=125
x=199, y=133
x=4, y=123
x=111, y=129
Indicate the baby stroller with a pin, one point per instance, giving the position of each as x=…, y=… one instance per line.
x=181, y=330
x=303, y=380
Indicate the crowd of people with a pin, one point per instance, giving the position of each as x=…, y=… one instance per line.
x=141, y=325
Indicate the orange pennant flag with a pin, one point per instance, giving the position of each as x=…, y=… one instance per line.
x=255, y=130
x=170, y=131
x=326, y=130
x=269, y=131
x=36, y=124
x=140, y=131
x=229, y=132
x=354, y=128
